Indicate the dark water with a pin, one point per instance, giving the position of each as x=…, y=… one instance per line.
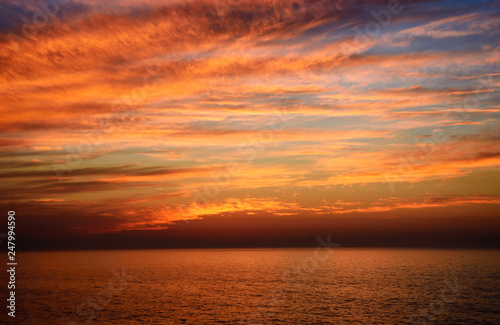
x=266, y=286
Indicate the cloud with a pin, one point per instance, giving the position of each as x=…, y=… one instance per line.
x=456, y=26
x=143, y=104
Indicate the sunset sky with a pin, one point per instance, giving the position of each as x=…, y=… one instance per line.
x=256, y=119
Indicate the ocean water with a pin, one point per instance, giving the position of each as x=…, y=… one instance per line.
x=259, y=286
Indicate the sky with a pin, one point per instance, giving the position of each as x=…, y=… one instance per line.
x=250, y=123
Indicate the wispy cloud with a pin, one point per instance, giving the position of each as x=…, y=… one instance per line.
x=129, y=109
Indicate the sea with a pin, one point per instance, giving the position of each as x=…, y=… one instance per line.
x=258, y=286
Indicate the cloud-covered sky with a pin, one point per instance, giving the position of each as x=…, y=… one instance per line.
x=138, y=115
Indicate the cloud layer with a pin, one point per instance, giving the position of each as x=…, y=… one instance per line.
x=137, y=114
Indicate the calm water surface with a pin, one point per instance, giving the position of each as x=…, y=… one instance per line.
x=266, y=286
